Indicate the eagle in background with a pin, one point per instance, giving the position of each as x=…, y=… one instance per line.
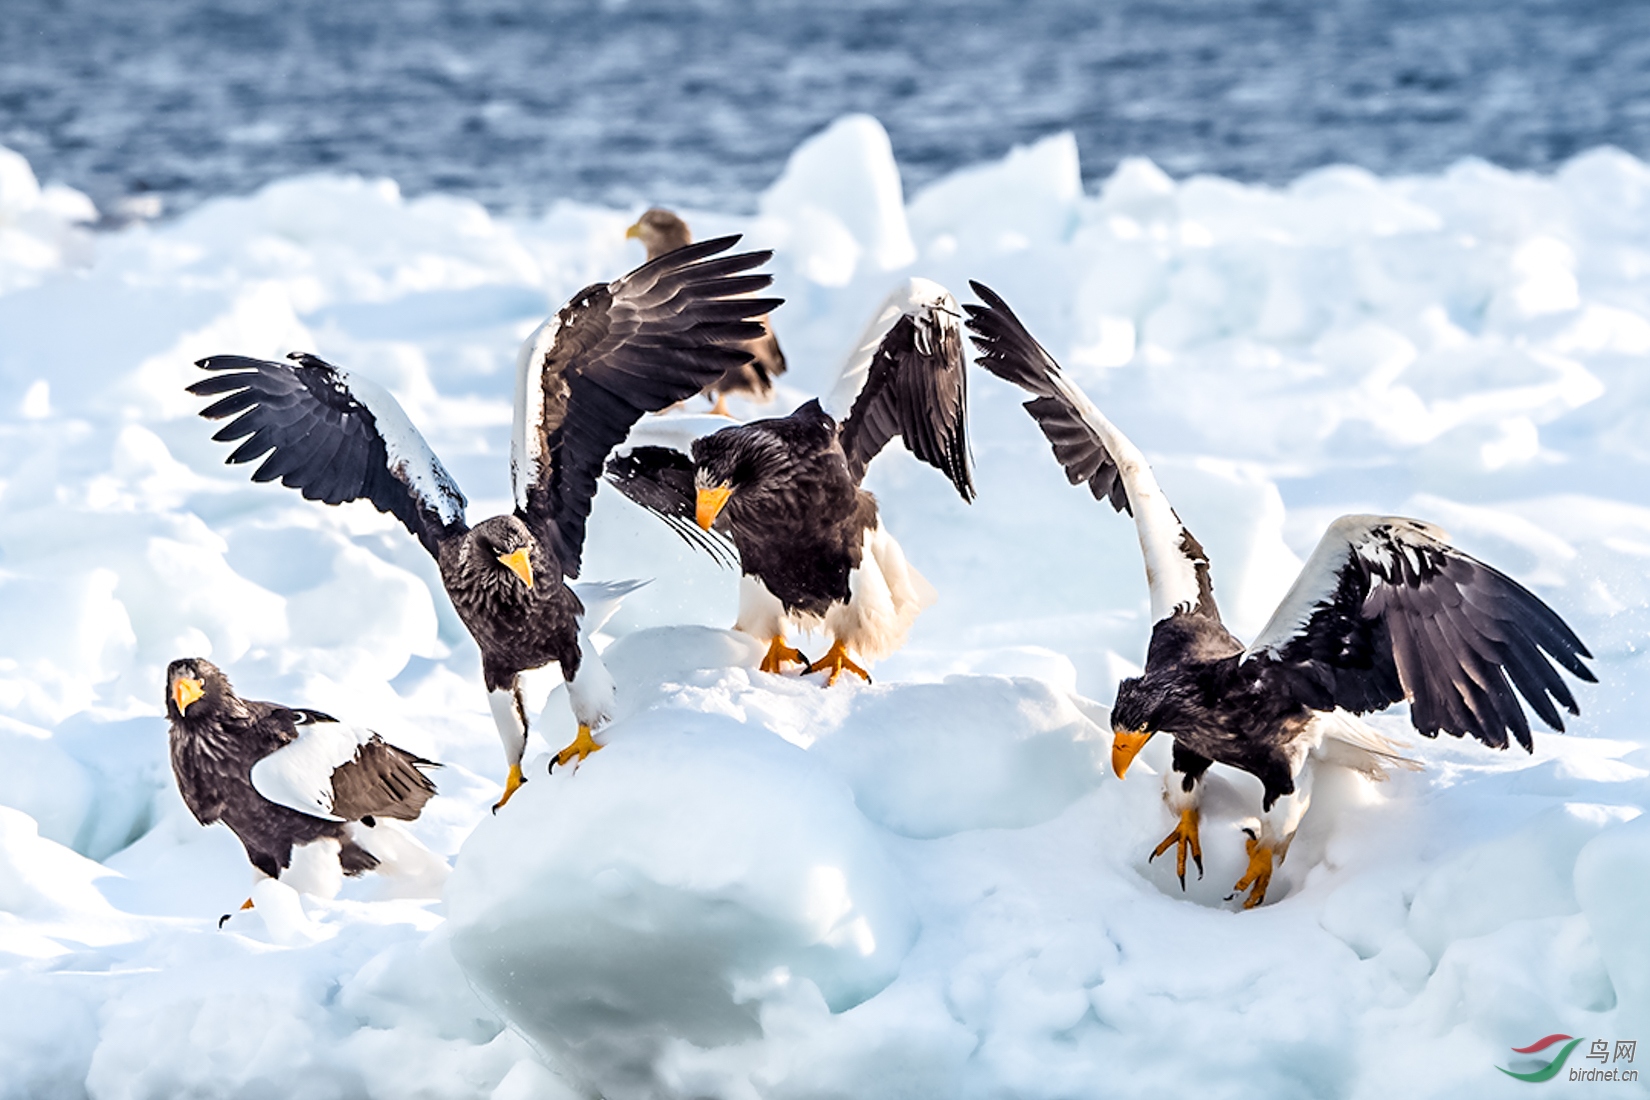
x=662, y=231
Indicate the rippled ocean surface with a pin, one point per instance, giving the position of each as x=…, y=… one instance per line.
x=698, y=103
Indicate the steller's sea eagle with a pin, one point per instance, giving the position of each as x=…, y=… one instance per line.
x=810, y=540
x=616, y=351
x=1384, y=611
x=284, y=777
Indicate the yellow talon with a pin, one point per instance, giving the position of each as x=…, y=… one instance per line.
x=721, y=406
x=779, y=654
x=1259, y=874
x=512, y=783
x=1184, y=839
x=837, y=661
x=583, y=745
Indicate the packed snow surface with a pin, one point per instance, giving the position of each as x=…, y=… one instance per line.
x=925, y=886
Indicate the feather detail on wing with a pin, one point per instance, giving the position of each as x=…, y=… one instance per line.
x=1387, y=610
x=340, y=772
x=660, y=479
x=1091, y=449
x=333, y=436
x=601, y=600
x=656, y=336
x=907, y=378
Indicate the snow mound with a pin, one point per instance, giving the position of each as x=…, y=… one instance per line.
x=658, y=894
x=971, y=752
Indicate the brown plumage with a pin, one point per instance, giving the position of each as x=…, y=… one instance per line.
x=662, y=231
x=227, y=756
x=616, y=351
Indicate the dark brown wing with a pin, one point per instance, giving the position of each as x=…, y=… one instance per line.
x=332, y=436
x=657, y=336
x=915, y=387
x=1386, y=610
x=382, y=781
x=1007, y=350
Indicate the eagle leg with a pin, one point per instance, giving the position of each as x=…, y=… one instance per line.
x=837, y=661
x=1259, y=874
x=779, y=653
x=721, y=406
x=1183, y=838
x=512, y=783
x=583, y=745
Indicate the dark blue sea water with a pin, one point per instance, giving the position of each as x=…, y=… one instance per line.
x=699, y=101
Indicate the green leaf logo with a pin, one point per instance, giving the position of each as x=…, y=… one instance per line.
x=1551, y=1069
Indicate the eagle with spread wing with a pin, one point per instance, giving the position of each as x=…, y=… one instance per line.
x=787, y=491
x=617, y=351
x=1385, y=611
x=284, y=778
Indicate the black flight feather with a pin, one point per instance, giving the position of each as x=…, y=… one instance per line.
x=654, y=337
x=1006, y=349
x=916, y=388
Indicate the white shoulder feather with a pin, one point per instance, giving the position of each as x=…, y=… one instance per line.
x=912, y=297
x=1171, y=574
x=298, y=775
x=526, y=441
x=1320, y=577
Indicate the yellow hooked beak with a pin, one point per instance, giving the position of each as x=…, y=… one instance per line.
x=709, y=504
x=634, y=233
x=186, y=691
x=519, y=564
x=1125, y=746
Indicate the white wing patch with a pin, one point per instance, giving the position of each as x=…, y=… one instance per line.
x=298, y=775
x=526, y=441
x=1170, y=574
x=410, y=458
x=914, y=298
x=1320, y=577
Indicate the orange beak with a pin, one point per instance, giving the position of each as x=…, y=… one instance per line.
x=634, y=233
x=709, y=504
x=185, y=691
x=519, y=564
x=1125, y=746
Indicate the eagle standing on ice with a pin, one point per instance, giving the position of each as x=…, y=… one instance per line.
x=281, y=777
x=1384, y=611
x=787, y=491
x=660, y=232
x=616, y=351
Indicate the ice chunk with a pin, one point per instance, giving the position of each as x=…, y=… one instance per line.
x=43, y=781
x=840, y=201
x=1031, y=197
x=974, y=752
x=1525, y=874
x=1612, y=883
x=662, y=888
